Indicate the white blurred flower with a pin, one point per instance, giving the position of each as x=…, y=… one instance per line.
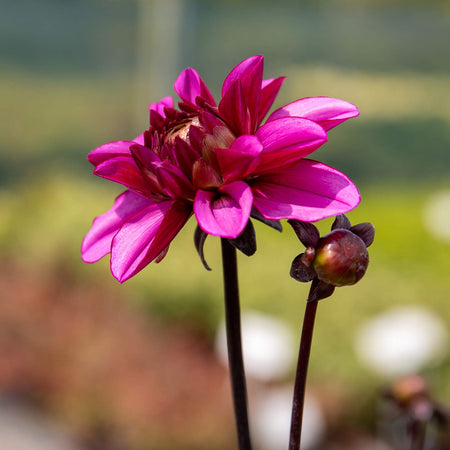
x=271, y=420
x=22, y=428
x=401, y=341
x=268, y=346
x=437, y=215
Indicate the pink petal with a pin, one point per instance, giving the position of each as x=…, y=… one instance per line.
x=174, y=220
x=327, y=112
x=143, y=237
x=269, y=91
x=238, y=161
x=97, y=242
x=124, y=170
x=156, y=120
x=290, y=132
x=185, y=153
x=306, y=191
x=113, y=149
x=109, y=150
x=146, y=161
x=204, y=176
x=139, y=139
x=209, y=121
x=189, y=86
x=251, y=85
x=288, y=139
x=249, y=75
x=143, y=156
x=174, y=182
x=224, y=213
x=234, y=111
x=242, y=69
x=166, y=102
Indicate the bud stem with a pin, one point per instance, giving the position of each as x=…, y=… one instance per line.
x=302, y=370
x=235, y=358
x=418, y=429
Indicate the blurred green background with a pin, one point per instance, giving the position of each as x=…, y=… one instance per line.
x=105, y=360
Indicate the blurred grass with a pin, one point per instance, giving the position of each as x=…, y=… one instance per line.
x=51, y=120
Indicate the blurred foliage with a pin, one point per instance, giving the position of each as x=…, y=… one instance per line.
x=59, y=117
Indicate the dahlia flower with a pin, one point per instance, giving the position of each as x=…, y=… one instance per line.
x=218, y=162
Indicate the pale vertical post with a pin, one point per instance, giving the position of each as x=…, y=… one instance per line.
x=159, y=40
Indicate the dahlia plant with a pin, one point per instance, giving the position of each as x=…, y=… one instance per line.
x=339, y=258
x=222, y=164
x=218, y=162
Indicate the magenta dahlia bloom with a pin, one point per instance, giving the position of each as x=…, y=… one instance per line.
x=218, y=162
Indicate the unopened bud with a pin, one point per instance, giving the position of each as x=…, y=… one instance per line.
x=341, y=258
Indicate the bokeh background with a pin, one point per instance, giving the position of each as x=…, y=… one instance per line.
x=86, y=363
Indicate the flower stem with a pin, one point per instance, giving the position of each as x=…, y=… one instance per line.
x=418, y=429
x=300, y=377
x=235, y=359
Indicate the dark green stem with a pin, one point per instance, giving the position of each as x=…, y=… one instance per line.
x=300, y=377
x=235, y=359
x=418, y=429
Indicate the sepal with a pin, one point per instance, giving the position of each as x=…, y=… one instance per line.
x=341, y=221
x=199, y=241
x=275, y=224
x=246, y=241
x=365, y=231
x=301, y=272
x=320, y=290
x=306, y=232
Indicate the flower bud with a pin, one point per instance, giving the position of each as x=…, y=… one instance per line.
x=341, y=258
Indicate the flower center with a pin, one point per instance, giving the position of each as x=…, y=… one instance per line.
x=181, y=130
x=199, y=164
x=206, y=171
